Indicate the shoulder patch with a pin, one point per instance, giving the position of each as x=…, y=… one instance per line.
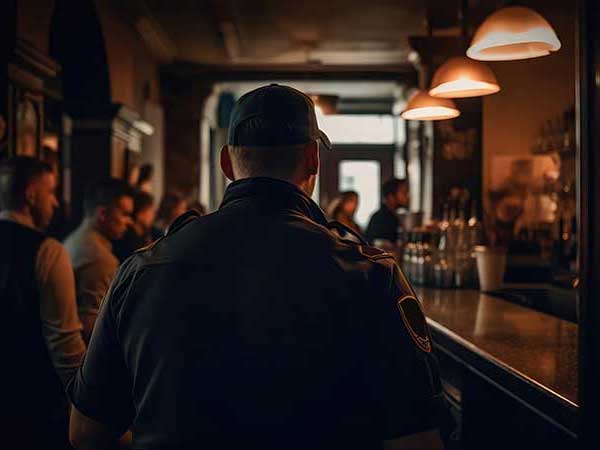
x=414, y=320
x=373, y=252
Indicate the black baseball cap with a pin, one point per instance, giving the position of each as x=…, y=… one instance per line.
x=278, y=115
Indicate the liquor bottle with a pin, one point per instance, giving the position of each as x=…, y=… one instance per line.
x=461, y=248
x=443, y=272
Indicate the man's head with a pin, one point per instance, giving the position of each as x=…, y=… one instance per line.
x=109, y=204
x=274, y=133
x=144, y=211
x=395, y=193
x=28, y=186
x=171, y=207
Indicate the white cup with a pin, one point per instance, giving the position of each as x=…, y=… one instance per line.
x=491, y=264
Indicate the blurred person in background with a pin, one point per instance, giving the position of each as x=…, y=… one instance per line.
x=171, y=207
x=144, y=181
x=343, y=209
x=198, y=207
x=384, y=223
x=139, y=234
x=40, y=337
x=108, y=207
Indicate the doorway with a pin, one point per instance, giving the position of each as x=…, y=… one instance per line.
x=360, y=168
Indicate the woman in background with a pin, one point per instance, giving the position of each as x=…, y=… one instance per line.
x=343, y=208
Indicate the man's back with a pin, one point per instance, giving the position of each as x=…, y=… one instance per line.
x=94, y=266
x=256, y=325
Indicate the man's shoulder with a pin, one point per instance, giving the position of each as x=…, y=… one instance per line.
x=52, y=248
x=86, y=248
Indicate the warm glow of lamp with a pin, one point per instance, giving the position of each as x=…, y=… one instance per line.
x=422, y=106
x=513, y=33
x=463, y=77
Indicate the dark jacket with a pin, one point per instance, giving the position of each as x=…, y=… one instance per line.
x=257, y=327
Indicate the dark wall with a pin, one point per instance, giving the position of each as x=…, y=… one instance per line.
x=457, y=155
x=77, y=43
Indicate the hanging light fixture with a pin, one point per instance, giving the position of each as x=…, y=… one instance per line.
x=422, y=106
x=463, y=77
x=511, y=33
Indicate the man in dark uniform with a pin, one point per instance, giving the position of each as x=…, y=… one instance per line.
x=384, y=223
x=256, y=326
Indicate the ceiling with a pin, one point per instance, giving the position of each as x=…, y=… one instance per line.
x=301, y=33
x=279, y=32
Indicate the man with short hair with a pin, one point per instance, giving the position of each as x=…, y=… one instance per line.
x=139, y=234
x=256, y=326
x=40, y=335
x=108, y=206
x=384, y=223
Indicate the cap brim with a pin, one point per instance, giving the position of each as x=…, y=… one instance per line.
x=324, y=140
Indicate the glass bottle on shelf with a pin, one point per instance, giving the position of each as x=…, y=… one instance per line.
x=475, y=238
x=419, y=260
x=407, y=256
x=428, y=259
x=443, y=272
x=462, y=249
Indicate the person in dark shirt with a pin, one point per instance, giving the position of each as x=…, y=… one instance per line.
x=256, y=326
x=384, y=223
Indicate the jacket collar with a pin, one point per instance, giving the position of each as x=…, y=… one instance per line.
x=276, y=193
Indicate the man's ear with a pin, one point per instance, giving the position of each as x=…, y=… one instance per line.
x=226, y=165
x=312, y=158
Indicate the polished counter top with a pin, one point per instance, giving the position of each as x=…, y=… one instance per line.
x=536, y=347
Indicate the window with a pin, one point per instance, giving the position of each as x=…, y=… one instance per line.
x=363, y=177
x=360, y=128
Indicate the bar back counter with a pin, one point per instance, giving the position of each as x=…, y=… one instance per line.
x=510, y=372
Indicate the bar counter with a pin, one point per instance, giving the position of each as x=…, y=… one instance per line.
x=529, y=355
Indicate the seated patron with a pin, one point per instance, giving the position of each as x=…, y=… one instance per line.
x=40, y=336
x=384, y=223
x=108, y=206
x=342, y=210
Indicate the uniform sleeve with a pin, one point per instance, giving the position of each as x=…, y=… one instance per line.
x=61, y=327
x=404, y=372
x=102, y=388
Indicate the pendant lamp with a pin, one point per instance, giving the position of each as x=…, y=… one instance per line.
x=511, y=33
x=463, y=77
x=422, y=106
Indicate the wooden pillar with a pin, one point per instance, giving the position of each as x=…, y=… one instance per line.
x=588, y=132
x=184, y=100
x=101, y=138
